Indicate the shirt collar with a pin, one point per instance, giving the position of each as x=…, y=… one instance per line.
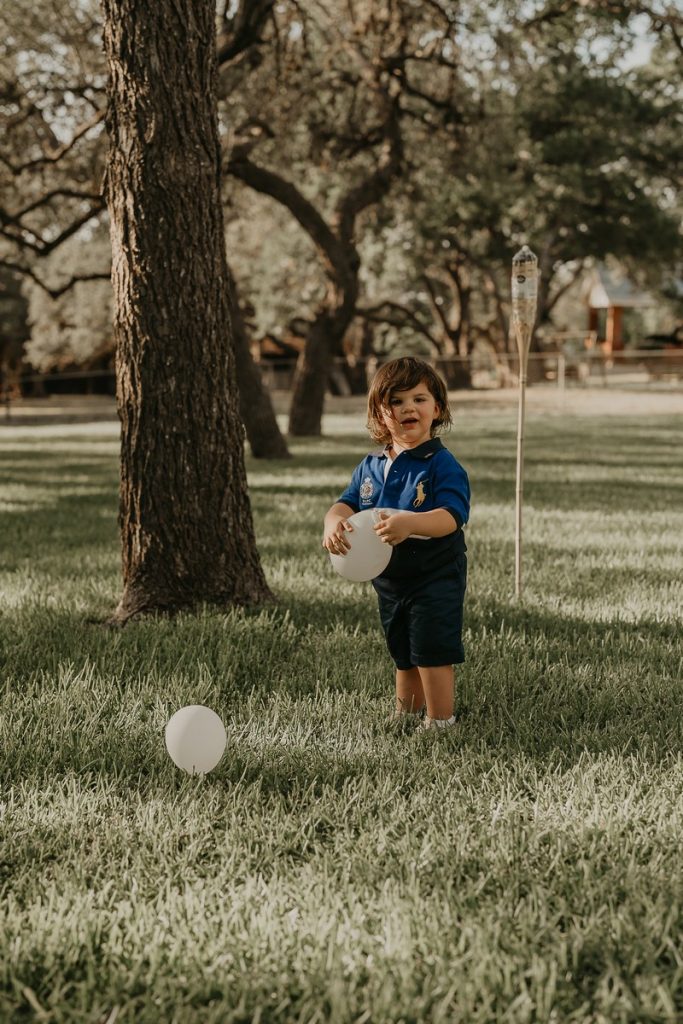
x=423, y=451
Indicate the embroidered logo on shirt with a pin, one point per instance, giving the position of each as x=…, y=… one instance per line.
x=419, y=494
x=366, y=489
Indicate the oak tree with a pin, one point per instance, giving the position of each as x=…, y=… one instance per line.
x=185, y=514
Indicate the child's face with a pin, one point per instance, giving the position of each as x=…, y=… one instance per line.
x=410, y=415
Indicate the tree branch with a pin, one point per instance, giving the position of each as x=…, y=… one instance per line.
x=43, y=248
x=243, y=29
x=436, y=306
x=333, y=253
x=665, y=19
x=406, y=317
x=56, y=154
x=378, y=183
x=54, y=293
x=551, y=302
x=69, y=193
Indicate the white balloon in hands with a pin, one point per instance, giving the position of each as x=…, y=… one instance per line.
x=367, y=556
x=195, y=739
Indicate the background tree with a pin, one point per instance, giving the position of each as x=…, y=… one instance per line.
x=14, y=330
x=73, y=328
x=576, y=154
x=185, y=516
x=52, y=157
x=256, y=409
x=52, y=97
x=509, y=126
x=348, y=110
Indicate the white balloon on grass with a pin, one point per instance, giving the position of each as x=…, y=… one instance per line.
x=368, y=556
x=195, y=739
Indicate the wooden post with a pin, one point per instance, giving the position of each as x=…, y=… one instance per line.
x=615, y=341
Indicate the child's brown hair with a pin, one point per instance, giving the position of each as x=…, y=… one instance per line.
x=403, y=375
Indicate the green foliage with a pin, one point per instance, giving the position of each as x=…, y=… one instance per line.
x=52, y=86
x=520, y=122
x=574, y=155
x=276, y=267
x=77, y=326
x=526, y=867
x=14, y=329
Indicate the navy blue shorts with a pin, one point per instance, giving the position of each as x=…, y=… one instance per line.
x=422, y=619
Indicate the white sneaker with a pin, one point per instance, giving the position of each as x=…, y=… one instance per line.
x=436, y=723
x=404, y=721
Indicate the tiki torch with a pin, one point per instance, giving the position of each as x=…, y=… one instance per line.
x=524, y=293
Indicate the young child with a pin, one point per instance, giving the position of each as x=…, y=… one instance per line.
x=422, y=590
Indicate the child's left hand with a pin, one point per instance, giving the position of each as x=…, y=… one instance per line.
x=393, y=529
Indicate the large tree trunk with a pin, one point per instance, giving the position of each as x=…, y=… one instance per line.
x=462, y=368
x=185, y=516
x=311, y=380
x=323, y=343
x=256, y=407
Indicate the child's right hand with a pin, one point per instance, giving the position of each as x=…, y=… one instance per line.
x=334, y=535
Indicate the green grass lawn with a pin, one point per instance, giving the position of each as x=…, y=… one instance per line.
x=526, y=867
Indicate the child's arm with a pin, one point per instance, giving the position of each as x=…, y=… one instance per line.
x=395, y=528
x=335, y=527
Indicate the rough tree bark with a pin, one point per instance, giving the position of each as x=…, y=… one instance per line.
x=185, y=516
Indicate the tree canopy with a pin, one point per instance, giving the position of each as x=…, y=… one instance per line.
x=382, y=161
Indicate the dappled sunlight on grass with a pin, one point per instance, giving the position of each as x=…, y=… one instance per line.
x=527, y=858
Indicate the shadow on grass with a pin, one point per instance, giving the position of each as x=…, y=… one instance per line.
x=539, y=682
x=546, y=686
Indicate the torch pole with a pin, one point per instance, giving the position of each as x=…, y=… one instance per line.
x=520, y=485
x=524, y=297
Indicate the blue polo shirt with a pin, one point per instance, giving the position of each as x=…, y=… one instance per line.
x=419, y=480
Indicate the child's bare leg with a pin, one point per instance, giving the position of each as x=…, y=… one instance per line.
x=438, y=684
x=410, y=696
